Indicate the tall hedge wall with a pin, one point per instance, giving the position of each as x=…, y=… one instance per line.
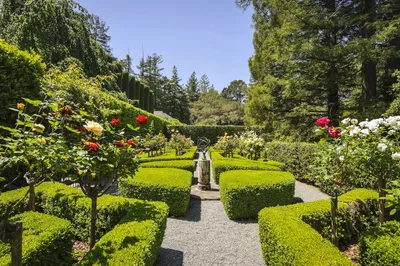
x=212, y=132
x=20, y=76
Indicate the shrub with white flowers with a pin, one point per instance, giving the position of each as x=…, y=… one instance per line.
x=228, y=144
x=251, y=145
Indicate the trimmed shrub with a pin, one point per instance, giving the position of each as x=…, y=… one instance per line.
x=46, y=240
x=287, y=239
x=130, y=243
x=169, y=156
x=245, y=192
x=381, y=245
x=20, y=76
x=220, y=166
x=296, y=156
x=10, y=198
x=171, y=186
x=187, y=165
x=212, y=132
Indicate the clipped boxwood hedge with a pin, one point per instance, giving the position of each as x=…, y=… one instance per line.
x=297, y=157
x=381, y=245
x=187, y=165
x=169, y=156
x=287, y=239
x=212, y=132
x=124, y=245
x=169, y=185
x=224, y=165
x=245, y=192
x=46, y=240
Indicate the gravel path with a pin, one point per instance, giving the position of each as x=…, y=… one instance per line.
x=307, y=193
x=206, y=237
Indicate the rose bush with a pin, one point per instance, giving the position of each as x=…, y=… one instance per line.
x=228, y=144
x=179, y=142
x=251, y=145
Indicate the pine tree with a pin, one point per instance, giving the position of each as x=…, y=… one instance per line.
x=204, y=84
x=192, y=88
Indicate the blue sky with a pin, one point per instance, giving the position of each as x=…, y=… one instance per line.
x=211, y=37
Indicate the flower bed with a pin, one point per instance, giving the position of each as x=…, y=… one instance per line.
x=46, y=240
x=244, y=193
x=171, y=186
x=287, y=239
x=187, y=165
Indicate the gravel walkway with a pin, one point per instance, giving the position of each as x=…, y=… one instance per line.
x=307, y=193
x=206, y=237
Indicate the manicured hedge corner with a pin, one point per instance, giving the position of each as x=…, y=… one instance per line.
x=288, y=238
x=245, y=192
x=10, y=198
x=224, y=165
x=132, y=243
x=381, y=245
x=169, y=185
x=46, y=240
x=187, y=165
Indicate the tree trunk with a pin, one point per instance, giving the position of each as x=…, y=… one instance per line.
x=334, y=208
x=382, y=194
x=93, y=194
x=31, y=203
x=16, y=243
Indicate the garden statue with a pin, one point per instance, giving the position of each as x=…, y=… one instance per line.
x=204, y=165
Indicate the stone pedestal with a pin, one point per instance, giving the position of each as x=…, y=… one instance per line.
x=204, y=174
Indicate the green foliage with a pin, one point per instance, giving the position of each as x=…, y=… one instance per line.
x=73, y=86
x=20, y=76
x=227, y=144
x=171, y=186
x=297, y=157
x=130, y=243
x=223, y=165
x=192, y=88
x=187, y=165
x=212, y=109
x=211, y=132
x=71, y=204
x=179, y=142
x=170, y=155
x=236, y=91
x=286, y=239
x=381, y=245
x=245, y=192
x=46, y=240
x=10, y=199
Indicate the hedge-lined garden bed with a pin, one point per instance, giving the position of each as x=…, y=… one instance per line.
x=46, y=240
x=187, y=165
x=169, y=156
x=71, y=204
x=169, y=185
x=381, y=245
x=244, y=192
x=288, y=239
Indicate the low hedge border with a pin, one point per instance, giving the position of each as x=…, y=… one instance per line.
x=71, y=204
x=245, y=192
x=169, y=156
x=381, y=245
x=169, y=185
x=223, y=165
x=187, y=165
x=124, y=245
x=287, y=239
x=46, y=240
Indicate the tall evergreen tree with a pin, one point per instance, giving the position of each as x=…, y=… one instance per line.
x=204, y=84
x=192, y=88
x=236, y=91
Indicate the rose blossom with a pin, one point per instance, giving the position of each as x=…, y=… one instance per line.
x=94, y=127
x=20, y=106
x=119, y=143
x=141, y=120
x=334, y=133
x=115, y=122
x=132, y=143
x=93, y=147
x=396, y=156
x=382, y=147
x=323, y=122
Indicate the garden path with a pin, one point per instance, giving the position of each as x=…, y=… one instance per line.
x=206, y=237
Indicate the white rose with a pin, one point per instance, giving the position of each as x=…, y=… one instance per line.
x=396, y=156
x=382, y=147
x=346, y=121
x=354, y=121
x=94, y=127
x=341, y=158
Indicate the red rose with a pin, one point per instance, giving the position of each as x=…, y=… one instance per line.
x=132, y=143
x=119, y=143
x=93, y=147
x=339, y=184
x=323, y=122
x=115, y=122
x=141, y=120
x=334, y=133
x=66, y=111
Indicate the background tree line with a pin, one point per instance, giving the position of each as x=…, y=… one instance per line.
x=322, y=58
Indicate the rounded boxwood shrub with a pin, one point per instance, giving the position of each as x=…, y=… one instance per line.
x=244, y=193
x=169, y=185
x=46, y=240
x=381, y=245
